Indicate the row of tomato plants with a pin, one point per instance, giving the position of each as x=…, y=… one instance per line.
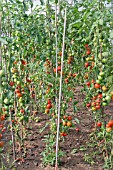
x=30, y=72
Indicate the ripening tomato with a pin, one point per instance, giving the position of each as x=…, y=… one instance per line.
x=64, y=117
x=1, y=144
x=74, y=75
x=93, y=81
x=104, y=88
x=4, y=129
x=93, y=104
x=69, y=123
x=54, y=70
x=19, y=95
x=64, y=123
x=47, y=111
x=60, y=53
x=66, y=80
x=109, y=129
x=22, y=110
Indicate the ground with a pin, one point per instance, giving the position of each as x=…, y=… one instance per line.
x=77, y=152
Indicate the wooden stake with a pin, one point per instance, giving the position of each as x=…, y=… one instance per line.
x=12, y=134
x=56, y=33
x=60, y=94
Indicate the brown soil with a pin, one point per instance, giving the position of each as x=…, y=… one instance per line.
x=75, y=141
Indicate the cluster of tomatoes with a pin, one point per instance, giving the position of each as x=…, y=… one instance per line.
x=66, y=123
x=2, y=129
x=48, y=106
x=109, y=126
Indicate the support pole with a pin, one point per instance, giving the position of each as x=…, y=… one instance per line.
x=60, y=94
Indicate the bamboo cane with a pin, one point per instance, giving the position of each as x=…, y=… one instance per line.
x=60, y=94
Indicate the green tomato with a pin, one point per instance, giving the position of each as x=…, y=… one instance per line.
x=2, y=73
x=102, y=73
x=6, y=101
x=104, y=60
x=20, y=100
x=18, y=82
x=100, y=78
x=99, y=64
x=98, y=81
x=4, y=83
x=104, y=99
x=108, y=98
x=104, y=104
x=15, y=80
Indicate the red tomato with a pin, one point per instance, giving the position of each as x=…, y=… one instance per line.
x=88, y=84
x=2, y=118
x=12, y=120
x=1, y=126
x=86, y=45
x=59, y=68
x=92, y=81
x=49, y=106
x=99, y=124
x=110, y=123
x=28, y=80
x=17, y=91
x=97, y=86
x=22, y=110
x=86, y=64
x=1, y=136
x=69, y=117
x=54, y=70
x=4, y=129
x=97, y=107
x=64, y=134
x=88, y=52
x=88, y=104
x=99, y=96
x=77, y=129
x=11, y=83
x=19, y=95
x=23, y=62
x=64, y=117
